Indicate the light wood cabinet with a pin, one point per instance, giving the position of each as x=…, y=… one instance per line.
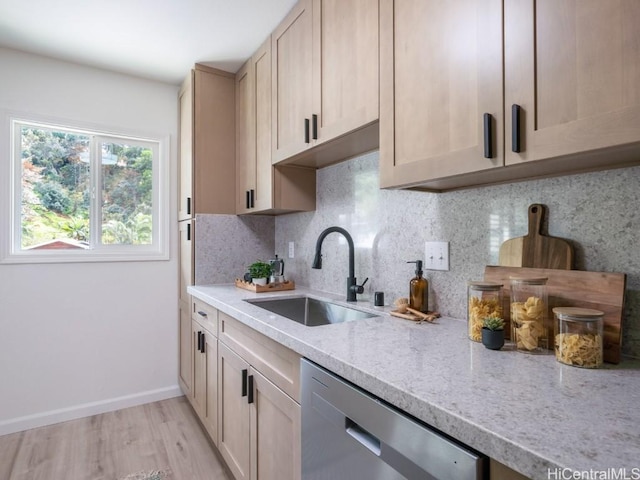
x=275, y=432
x=234, y=437
x=204, y=392
x=185, y=378
x=263, y=188
x=440, y=73
x=207, y=143
x=325, y=102
x=571, y=98
x=574, y=70
x=259, y=413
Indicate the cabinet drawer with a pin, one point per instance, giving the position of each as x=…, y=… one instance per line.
x=205, y=315
x=274, y=361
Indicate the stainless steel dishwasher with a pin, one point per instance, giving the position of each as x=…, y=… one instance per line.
x=348, y=434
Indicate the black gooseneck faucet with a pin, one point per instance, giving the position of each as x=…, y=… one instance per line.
x=352, y=287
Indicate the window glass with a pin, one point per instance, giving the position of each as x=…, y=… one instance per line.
x=55, y=188
x=84, y=194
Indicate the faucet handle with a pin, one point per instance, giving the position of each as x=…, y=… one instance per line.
x=359, y=288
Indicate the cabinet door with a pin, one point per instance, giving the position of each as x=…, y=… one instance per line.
x=233, y=412
x=275, y=432
x=199, y=386
x=345, y=64
x=262, y=94
x=440, y=73
x=574, y=69
x=292, y=82
x=214, y=165
x=245, y=138
x=210, y=410
x=185, y=255
x=185, y=167
x=186, y=350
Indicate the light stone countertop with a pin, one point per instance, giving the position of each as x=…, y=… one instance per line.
x=530, y=413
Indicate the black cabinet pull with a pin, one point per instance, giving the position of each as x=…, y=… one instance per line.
x=188, y=232
x=515, y=128
x=202, y=314
x=306, y=130
x=245, y=372
x=488, y=150
x=250, y=396
x=200, y=341
x=314, y=126
x=251, y=198
x=204, y=343
x=188, y=205
x=247, y=203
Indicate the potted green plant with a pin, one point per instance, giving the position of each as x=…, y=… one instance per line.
x=493, y=333
x=260, y=272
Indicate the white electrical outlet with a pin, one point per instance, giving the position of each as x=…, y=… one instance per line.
x=436, y=256
x=291, y=250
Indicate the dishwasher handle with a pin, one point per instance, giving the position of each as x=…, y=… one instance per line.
x=368, y=440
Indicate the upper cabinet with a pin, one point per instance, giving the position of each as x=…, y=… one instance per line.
x=207, y=143
x=263, y=188
x=325, y=82
x=441, y=89
x=571, y=97
x=573, y=69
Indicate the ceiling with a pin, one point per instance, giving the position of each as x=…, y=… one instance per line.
x=157, y=39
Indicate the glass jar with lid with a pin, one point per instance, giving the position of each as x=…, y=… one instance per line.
x=578, y=336
x=484, y=299
x=530, y=314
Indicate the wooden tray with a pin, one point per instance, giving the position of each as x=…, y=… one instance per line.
x=269, y=287
x=575, y=288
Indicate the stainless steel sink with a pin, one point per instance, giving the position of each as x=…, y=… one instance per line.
x=310, y=311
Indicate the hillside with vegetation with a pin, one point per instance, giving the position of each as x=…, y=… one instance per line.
x=57, y=189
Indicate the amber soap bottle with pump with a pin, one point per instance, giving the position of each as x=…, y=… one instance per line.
x=419, y=290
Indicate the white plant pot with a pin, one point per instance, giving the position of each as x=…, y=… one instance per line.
x=259, y=281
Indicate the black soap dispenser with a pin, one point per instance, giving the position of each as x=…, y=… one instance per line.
x=419, y=290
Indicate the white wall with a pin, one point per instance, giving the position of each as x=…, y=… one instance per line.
x=76, y=339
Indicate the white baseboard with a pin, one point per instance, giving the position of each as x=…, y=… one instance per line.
x=19, y=424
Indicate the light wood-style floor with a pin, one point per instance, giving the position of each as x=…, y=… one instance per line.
x=158, y=436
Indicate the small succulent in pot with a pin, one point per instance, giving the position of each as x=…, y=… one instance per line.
x=493, y=333
x=493, y=323
x=260, y=270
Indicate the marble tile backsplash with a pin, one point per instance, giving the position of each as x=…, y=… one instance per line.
x=597, y=211
x=227, y=244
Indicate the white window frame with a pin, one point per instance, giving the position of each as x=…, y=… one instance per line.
x=11, y=215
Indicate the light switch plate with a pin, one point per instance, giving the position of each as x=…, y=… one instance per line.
x=436, y=255
x=291, y=250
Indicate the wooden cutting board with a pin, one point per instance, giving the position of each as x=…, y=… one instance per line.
x=602, y=291
x=536, y=250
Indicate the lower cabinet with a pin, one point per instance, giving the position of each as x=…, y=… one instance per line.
x=245, y=388
x=202, y=365
x=275, y=432
x=234, y=440
x=259, y=425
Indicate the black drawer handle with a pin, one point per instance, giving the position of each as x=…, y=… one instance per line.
x=488, y=149
x=188, y=205
x=306, y=130
x=314, y=126
x=202, y=314
x=200, y=341
x=245, y=372
x=188, y=232
x=248, y=202
x=250, y=386
x=515, y=128
x=251, y=198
